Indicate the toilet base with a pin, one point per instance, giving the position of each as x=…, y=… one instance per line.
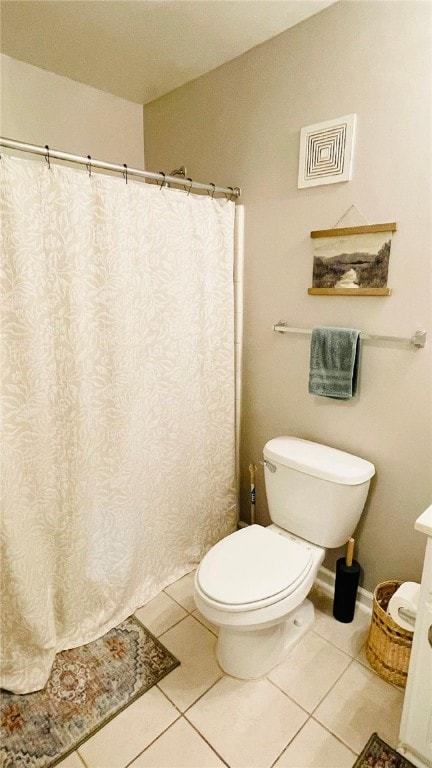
x=250, y=654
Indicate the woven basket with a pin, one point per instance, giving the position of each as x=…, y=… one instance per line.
x=388, y=647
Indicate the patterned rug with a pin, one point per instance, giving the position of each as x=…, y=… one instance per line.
x=378, y=754
x=87, y=687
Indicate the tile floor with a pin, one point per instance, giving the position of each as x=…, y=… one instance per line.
x=317, y=709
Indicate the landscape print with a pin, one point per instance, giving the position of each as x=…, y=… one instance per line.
x=351, y=261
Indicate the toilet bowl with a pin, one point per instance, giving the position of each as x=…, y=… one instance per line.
x=254, y=583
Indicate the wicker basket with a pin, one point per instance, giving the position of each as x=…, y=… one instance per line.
x=388, y=647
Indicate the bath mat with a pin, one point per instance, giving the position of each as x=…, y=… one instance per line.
x=378, y=754
x=87, y=687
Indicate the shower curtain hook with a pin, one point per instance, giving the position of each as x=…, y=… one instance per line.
x=88, y=166
x=179, y=171
x=47, y=156
x=125, y=172
x=190, y=185
x=228, y=199
x=214, y=189
x=164, y=182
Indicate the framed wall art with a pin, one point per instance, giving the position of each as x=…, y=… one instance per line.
x=352, y=261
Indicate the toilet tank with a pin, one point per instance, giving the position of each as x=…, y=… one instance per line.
x=314, y=491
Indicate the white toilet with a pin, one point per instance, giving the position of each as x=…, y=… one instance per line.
x=253, y=584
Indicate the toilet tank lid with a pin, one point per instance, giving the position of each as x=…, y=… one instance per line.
x=319, y=460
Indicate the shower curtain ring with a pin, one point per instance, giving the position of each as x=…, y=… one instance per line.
x=190, y=185
x=125, y=172
x=228, y=197
x=88, y=166
x=164, y=182
x=214, y=189
x=47, y=156
x=179, y=171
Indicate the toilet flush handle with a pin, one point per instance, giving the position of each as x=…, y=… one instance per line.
x=271, y=467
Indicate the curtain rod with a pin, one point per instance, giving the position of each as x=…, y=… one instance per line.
x=233, y=192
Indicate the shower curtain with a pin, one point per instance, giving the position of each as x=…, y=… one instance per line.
x=117, y=401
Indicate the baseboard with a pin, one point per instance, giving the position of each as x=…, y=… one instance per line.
x=326, y=581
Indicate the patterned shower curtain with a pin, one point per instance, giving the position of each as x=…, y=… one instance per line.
x=117, y=401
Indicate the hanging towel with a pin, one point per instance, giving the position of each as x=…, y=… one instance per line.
x=334, y=362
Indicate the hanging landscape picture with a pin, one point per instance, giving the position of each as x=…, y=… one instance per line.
x=352, y=260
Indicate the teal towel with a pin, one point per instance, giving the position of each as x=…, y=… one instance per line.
x=334, y=362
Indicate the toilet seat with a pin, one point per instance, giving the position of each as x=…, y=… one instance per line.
x=252, y=568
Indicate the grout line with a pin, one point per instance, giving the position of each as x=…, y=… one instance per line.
x=330, y=642
x=205, y=692
x=288, y=696
x=174, y=599
x=332, y=686
x=338, y=738
x=310, y=715
x=168, y=699
x=183, y=714
x=177, y=602
x=321, y=633
x=364, y=662
x=165, y=632
x=80, y=757
x=290, y=742
x=131, y=762
x=206, y=741
x=354, y=753
x=171, y=627
x=204, y=625
x=189, y=616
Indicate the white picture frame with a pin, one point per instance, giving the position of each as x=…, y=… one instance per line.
x=326, y=152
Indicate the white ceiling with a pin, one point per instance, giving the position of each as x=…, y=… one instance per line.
x=142, y=49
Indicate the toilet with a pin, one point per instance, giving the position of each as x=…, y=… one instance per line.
x=254, y=583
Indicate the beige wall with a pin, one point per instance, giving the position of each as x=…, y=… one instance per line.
x=40, y=107
x=240, y=125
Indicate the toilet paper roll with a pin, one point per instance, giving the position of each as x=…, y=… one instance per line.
x=404, y=603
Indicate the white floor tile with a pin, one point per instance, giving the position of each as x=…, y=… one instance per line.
x=314, y=747
x=359, y=704
x=73, y=761
x=182, y=591
x=248, y=723
x=179, y=747
x=124, y=737
x=348, y=637
x=361, y=657
x=310, y=670
x=194, y=646
x=209, y=624
x=160, y=614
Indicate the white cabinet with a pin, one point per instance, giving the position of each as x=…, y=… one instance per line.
x=415, y=737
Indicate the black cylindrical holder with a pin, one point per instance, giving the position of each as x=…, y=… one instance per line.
x=345, y=594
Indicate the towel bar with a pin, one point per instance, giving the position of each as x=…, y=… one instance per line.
x=418, y=340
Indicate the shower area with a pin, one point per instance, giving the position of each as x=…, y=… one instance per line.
x=121, y=350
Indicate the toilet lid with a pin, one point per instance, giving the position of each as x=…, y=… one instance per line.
x=253, y=565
